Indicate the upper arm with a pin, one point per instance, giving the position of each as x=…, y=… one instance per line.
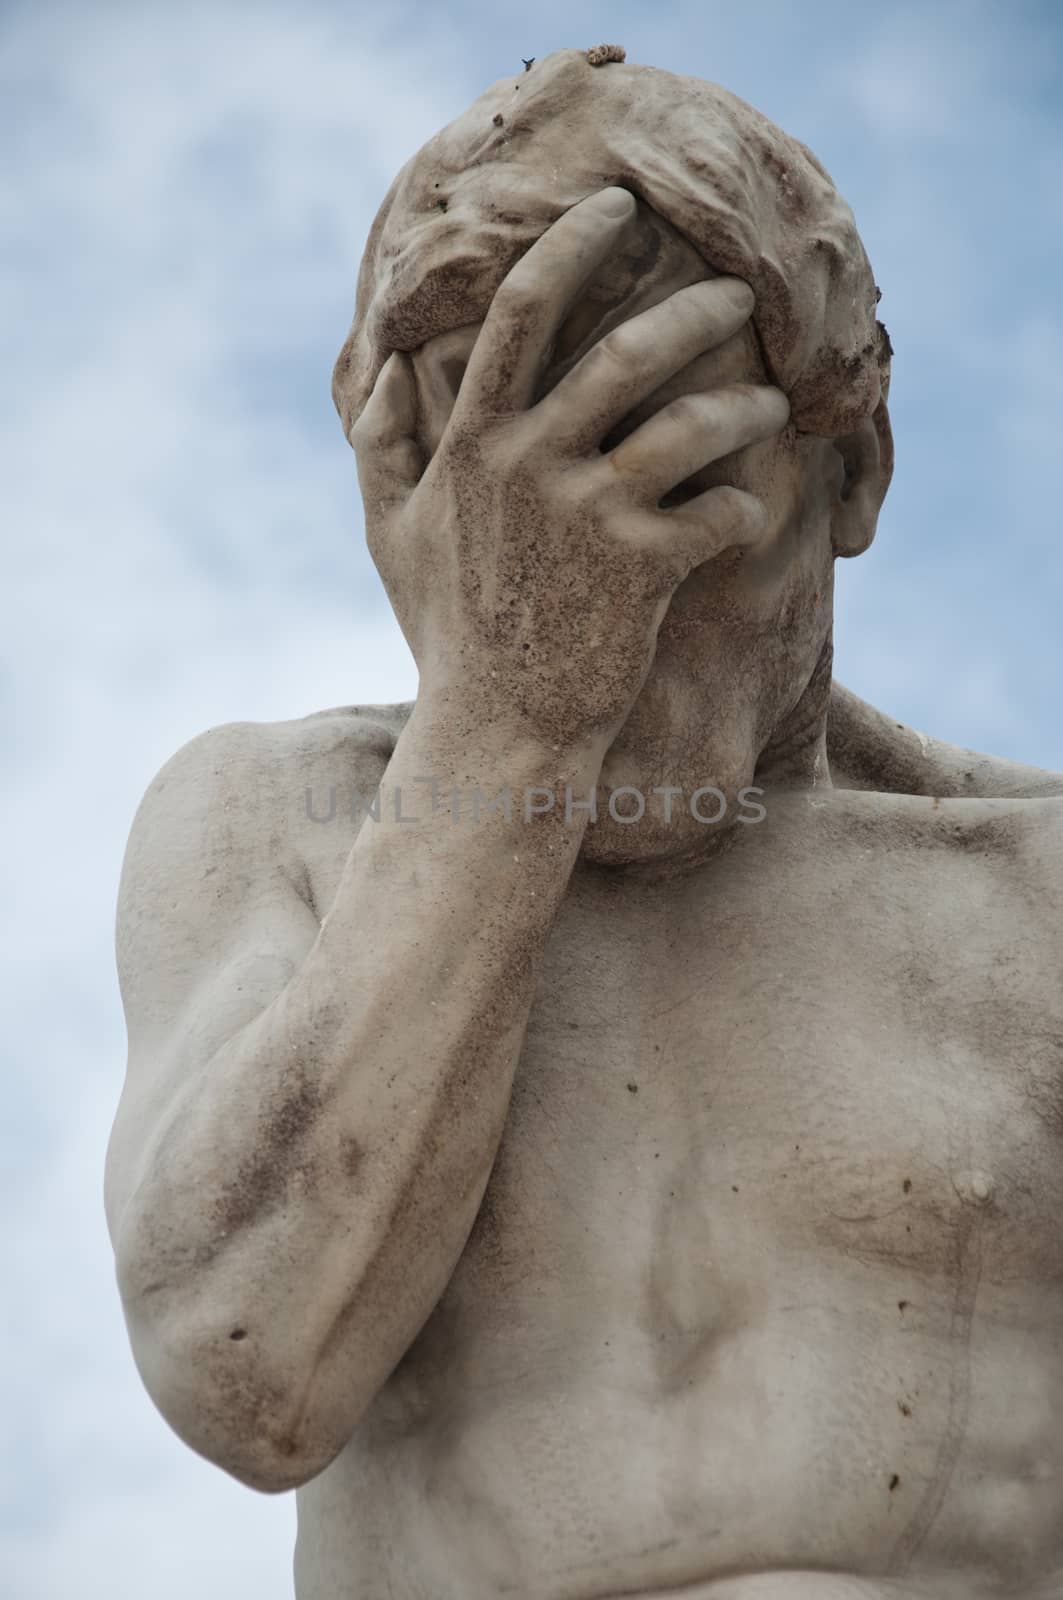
x=211, y=926
x=868, y=750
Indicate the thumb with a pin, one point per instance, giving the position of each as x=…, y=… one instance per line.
x=390, y=461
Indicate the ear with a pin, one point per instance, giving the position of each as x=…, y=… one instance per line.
x=867, y=462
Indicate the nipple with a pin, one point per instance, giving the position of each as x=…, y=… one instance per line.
x=975, y=1187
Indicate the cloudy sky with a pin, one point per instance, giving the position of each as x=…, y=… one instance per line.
x=186, y=193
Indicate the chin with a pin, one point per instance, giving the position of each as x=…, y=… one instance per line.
x=653, y=844
x=674, y=783
x=684, y=814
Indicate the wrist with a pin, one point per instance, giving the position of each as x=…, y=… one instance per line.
x=466, y=734
x=455, y=763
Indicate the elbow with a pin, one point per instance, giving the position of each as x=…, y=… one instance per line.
x=254, y=1451
x=242, y=1406
x=267, y=1472
x=257, y=1463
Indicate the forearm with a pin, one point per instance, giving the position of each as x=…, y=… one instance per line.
x=311, y=1192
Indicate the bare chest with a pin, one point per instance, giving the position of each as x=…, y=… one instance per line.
x=773, y=1228
x=847, y=1063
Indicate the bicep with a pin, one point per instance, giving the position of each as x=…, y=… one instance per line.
x=210, y=930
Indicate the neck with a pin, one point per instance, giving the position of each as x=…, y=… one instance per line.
x=795, y=756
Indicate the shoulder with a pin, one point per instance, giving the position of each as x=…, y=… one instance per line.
x=1006, y=856
x=229, y=804
x=249, y=765
x=219, y=758
x=1043, y=837
x=869, y=750
x=1016, y=838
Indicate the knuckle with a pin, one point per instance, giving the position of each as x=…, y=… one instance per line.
x=690, y=410
x=620, y=347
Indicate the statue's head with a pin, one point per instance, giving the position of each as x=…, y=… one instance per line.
x=743, y=657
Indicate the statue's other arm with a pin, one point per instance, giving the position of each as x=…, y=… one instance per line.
x=869, y=750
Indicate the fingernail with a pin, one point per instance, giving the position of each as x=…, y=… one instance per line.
x=616, y=202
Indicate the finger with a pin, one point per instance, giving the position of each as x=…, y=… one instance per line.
x=514, y=345
x=721, y=519
x=633, y=360
x=390, y=461
x=693, y=431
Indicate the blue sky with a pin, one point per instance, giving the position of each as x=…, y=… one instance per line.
x=188, y=192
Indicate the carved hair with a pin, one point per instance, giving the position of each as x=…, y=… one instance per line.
x=750, y=200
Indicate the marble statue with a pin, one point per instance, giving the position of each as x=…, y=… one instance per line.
x=598, y=1131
